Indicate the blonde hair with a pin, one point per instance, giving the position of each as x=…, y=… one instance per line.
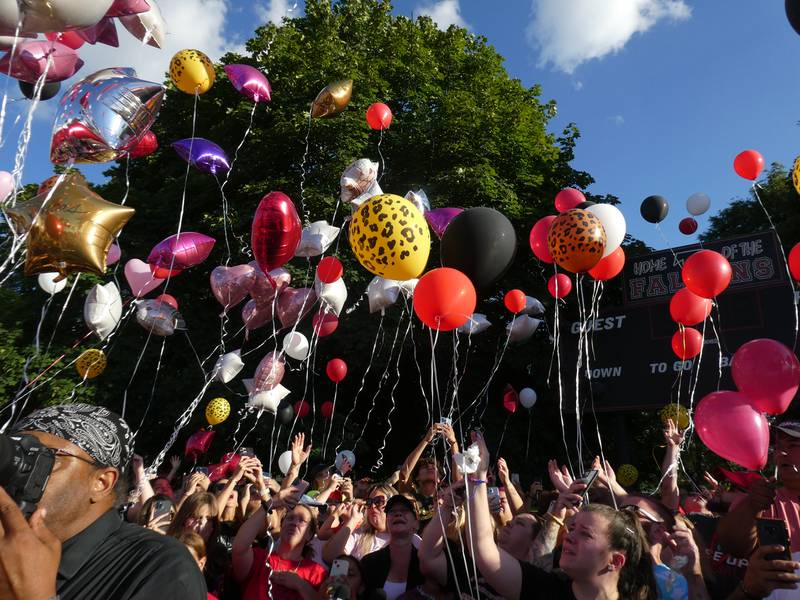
x=364, y=545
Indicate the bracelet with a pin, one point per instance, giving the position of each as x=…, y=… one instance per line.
x=476, y=481
x=554, y=518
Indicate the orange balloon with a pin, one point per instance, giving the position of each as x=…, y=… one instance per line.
x=444, y=299
x=576, y=240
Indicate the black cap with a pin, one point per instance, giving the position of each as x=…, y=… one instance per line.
x=407, y=502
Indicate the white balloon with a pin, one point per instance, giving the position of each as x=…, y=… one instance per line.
x=316, y=239
x=420, y=200
x=382, y=293
x=285, y=462
x=103, y=309
x=698, y=203
x=268, y=399
x=148, y=26
x=408, y=286
x=345, y=455
x=53, y=15
x=295, y=345
x=249, y=385
x=527, y=397
x=477, y=323
x=228, y=366
x=613, y=222
x=521, y=328
x=372, y=190
x=48, y=283
x=533, y=306
x=332, y=295
x=359, y=176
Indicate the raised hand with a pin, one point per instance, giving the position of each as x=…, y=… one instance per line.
x=672, y=435
x=560, y=477
x=300, y=452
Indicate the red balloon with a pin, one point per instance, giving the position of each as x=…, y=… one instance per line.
x=538, y=239
x=609, y=266
x=146, y=145
x=198, y=443
x=276, y=231
x=687, y=343
x=794, y=262
x=707, y=273
x=687, y=226
x=510, y=398
x=324, y=323
x=167, y=299
x=768, y=373
x=326, y=409
x=302, y=408
x=515, y=301
x=687, y=308
x=730, y=427
x=336, y=370
x=559, y=286
x=444, y=299
x=329, y=269
x=569, y=198
x=379, y=116
x=748, y=164
x=70, y=39
x=164, y=272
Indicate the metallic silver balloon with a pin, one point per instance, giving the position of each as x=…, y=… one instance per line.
x=159, y=318
x=147, y=26
x=103, y=116
x=39, y=16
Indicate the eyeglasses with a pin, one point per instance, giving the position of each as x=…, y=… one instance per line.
x=377, y=501
x=67, y=454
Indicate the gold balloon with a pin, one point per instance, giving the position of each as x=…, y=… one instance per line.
x=333, y=99
x=71, y=232
x=192, y=71
x=678, y=414
x=627, y=475
x=217, y=411
x=91, y=363
x=796, y=174
x=576, y=240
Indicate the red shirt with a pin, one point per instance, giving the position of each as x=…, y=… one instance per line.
x=255, y=586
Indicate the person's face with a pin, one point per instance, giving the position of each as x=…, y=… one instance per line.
x=787, y=457
x=401, y=521
x=657, y=531
x=518, y=535
x=695, y=503
x=361, y=488
x=162, y=486
x=375, y=510
x=295, y=527
x=322, y=479
x=201, y=522
x=585, y=552
x=426, y=481
x=354, y=581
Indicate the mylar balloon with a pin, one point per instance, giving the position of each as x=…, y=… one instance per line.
x=521, y=328
x=477, y=323
x=316, y=239
x=295, y=344
x=336, y=370
x=687, y=226
x=249, y=82
x=35, y=16
x=198, y=444
x=217, y=411
x=654, y=209
x=576, y=240
x=149, y=27
x=559, y=285
x=569, y=198
x=609, y=267
x=707, y=273
x=146, y=145
x=192, y=72
x=444, y=299
x=748, y=164
x=293, y=304
x=276, y=231
x=181, y=251
x=203, y=154
x=383, y=293
x=440, y=218
x=103, y=309
x=267, y=287
x=687, y=343
x=140, y=278
x=527, y=397
x=698, y=203
x=687, y=308
x=269, y=400
x=269, y=373
x=230, y=285
x=49, y=90
x=510, y=399
x=358, y=178
x=332, y=99
x=533, y=306
x=51, y=283
x=379, y=116
x=91, y=363
x=768, y=373
x=159, y=318
x=332, y=296
x=256, y=315
x=35, y=58
x=167, y=299
x=7, y=185
x=613, y=224
x=228, y=366
x=345, y=461
x=103, y=32
x=419, y=199
x=538, y=238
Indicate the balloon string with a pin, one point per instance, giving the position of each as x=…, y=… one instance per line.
x=503, y=435
x=11, y=56
x=246, y=435
x=557, y=341
x=330, y=419
x=667, y=244
x=528, y=439
x=127, y=181
x=306, y=220
x=63, y=310
x=380, y=154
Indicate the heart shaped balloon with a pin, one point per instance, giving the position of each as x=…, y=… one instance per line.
x=139, y=277
x=265, y=287
x=269, y=372
x=230, y=285
x=293, y=303
x=256, y=315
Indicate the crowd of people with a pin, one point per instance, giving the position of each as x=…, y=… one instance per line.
x=460, y=526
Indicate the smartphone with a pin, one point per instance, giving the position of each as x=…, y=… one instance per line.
x=772, y=532
x=203, y=470
x=446, y=421
x=493, y=492
x=515, y=479
x=248, y=452
x=302, y=485
x=340, y=568
x=161, y=508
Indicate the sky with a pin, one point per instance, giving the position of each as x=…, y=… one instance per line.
x=665, y=92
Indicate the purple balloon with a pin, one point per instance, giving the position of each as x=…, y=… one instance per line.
x=249, y=82
x=231, y=285
x=30, y=61
x=188, y=249
x=203, y=154
x=293, y=304
x=439, y=219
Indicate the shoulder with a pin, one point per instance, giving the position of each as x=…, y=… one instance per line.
x=137, y=537
x=536, y=580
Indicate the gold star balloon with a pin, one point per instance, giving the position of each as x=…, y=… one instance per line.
x=333, y=99
x=69, y=232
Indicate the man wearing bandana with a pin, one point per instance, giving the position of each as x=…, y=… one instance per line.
x=76, y=545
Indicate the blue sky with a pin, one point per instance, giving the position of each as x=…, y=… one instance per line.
x=665, y=92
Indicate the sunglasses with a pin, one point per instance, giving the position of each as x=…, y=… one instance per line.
x=377, y=501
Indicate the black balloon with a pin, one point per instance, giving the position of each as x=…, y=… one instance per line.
x=481, y=243
x=654, y=209
x=793, y=13
x=285, y=413
x=585, y=205
x=49, y=89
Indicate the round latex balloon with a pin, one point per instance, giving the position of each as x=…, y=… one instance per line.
x=698, y=203
x=576, y=240
x=707, y=273
x=192, y=72
x=276, y=231
x=217, y=411
x=302, y=408
x=687, y=343
x=654, y=209
x=568, y=198
x=326, y=409
x=627, y=475
x=613, y=223
x=559, y=285
x=768, y=373
x=609, y=267
x=792, y=8
x=324, y=323
x=336, y=370
x=51, y=283
x=515, y=301
x=285, y=462
x=585, y=205
x=444, y=299
x=7, y=185
x=687, y=308
x=295, y=345
x=379, y=116
x=527, y=397
x=687, y=226
x=285, y=412
x=249, y=82
x=538, y=238
x=49, y=90
x=91, y=363
x=329, y=269
x=748, y=164
x=390, y=238
x=678, y=414
x=794, y=262
x=796, y=174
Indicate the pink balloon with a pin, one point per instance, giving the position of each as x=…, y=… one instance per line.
x=730, y=427
x=768, y=373
x=269, y=372
x=68, y=38
x=439, y=219
x=103, y=32
x=198, y=444
x=256, y=315
x=114, y=254
x=188, y=249
x=249, y=82
x=140, y=278
x=6, y=185
x=276, y=231
x=231, y=285
x=124, y=8
x=293, y=304
x=263, y=290
x=30, y=61
x=568, y=198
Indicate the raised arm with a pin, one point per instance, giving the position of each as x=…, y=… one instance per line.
x=670, y=496
x=432, y=556
x=736, y=531
x=515, y=501
x=545, y=543
x=300, y=454
x=350, y=519
x=411, y=461
x=449, y=436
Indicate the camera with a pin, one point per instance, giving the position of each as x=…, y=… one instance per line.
x=25, y=467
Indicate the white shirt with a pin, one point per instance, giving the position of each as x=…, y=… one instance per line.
x=394, y=590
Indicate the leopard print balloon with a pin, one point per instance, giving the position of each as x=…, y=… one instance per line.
x=390, y=237
x=795, y=174
x=576, y=240
x=91, y=363
x=192, y=70
x=217, y=411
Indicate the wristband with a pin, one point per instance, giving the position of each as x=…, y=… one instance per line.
x=476, y=481
x=554, y=518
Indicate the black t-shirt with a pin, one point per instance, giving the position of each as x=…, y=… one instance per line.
x=537, y=583
x=461, y=575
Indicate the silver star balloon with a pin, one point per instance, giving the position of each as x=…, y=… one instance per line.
x=103, y=116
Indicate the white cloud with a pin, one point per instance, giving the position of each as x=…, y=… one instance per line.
x=570, y=32
x=444, y=13
x=275, y=10
x=617, y=120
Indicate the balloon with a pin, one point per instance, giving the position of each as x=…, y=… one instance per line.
x=293, y=304
x=217, y=411
x=103, y=309
x=149, y=27
x=793, y=14
x=230, y=285
x=103, y=116
x=576, y=240
x=389, y=237
x=302, y=408
x=326, y=409
x=336, y=370
x=295, y=345
x=707, y=273
x=568, y=198
x=796, y=174
x=139, y=277
x=678, y=414
x=613, y=223
x=159, y=318
x=49, y=90
x=609, y=267
x=521, y=328
x=382, y=293
x=228, y=366
x=86, y=225
x=527, y=397
x=266, y=287
x=198, y=443
x=164, y=272
x=687, y=226
x=285, y=462
x=379, y=116
x=419, y=199
x=269, y=400
x=121, y=8
x=71, y=39
x=181, y=251
x=358, y=178
x=256, y=315
x=168, y=300
x=203, y=154
x=514, y=301
x=103, y=32
x=114, y=254
x=627, y=475
x=687, y=308
x=768, y=373
x=510, y=399
x=444, y=299
x=146, y=145
x=285, y=413
x=269, y=373
x=476, y=323
x=533, y=306
x=316, y=239
x=748, y=164
x=34, y=58
x=276, y=231
x=51, y=283
x=250, y=82
x=538, y=238
x=559, y=285
x=481, y=243
x=440, y=218
x=794, y=262
x=343, y=459
x=329, y=269
x=35, y=16
x=687, y=343
x=91, y=363
x=324, y=323
x=585, y=205
x=192, y=72
x=7, y=185
x=698, y=203
x=225, y=468
x=332, y=99
x=730, y=427
x=654, y=209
